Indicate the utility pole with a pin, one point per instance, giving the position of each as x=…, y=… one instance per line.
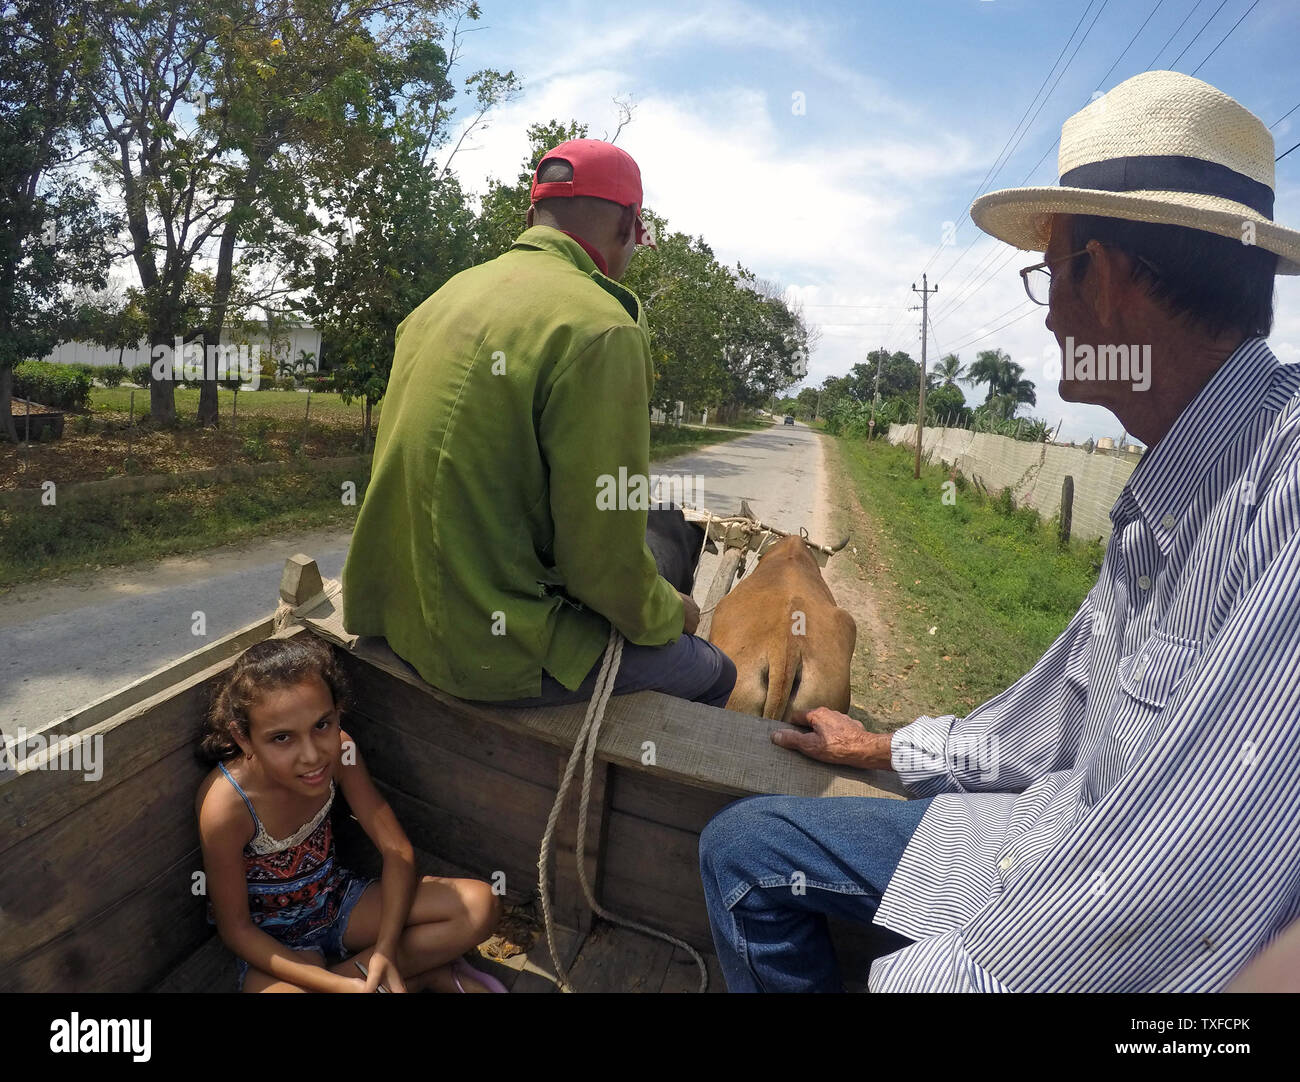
x=920, y=405
x=875, y=395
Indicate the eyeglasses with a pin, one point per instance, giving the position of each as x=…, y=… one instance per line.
x=1038, y=278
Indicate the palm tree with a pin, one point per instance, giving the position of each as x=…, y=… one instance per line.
x=1008, y=389
x=950, y=370
x=987, y=369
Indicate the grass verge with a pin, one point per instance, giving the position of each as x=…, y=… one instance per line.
x=49, y=541
x=45, y=542
x=990, y=579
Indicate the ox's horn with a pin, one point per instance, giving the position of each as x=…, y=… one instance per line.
x=837, y=548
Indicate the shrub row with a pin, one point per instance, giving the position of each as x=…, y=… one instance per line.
x=60, y=386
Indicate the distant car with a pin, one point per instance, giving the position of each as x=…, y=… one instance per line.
x=788, y=419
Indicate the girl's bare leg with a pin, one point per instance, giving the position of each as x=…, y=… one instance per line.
x=258, y=981
x=448, y=917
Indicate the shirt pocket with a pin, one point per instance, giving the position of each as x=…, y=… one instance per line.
x=1153, y=674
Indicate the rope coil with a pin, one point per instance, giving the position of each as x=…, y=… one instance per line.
x=585, y=747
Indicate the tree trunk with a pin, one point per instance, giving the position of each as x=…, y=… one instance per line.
x=6, y=403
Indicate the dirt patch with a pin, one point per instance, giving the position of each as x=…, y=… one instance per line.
x=883, y=695
x=94, y=447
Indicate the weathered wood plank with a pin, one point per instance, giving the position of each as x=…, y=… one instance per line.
x=133, y=738
x=129, y=945
x=683, y=974
x=695, y=744
x=652, y=875
x=615, y=959
x=537, y=974
x=472, y=843
x=55, y=879
x=661, y=800
x=401, y=706
x=211, y=968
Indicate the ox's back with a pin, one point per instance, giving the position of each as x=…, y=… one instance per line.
x=791, y=644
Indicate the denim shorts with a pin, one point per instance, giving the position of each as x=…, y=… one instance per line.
x=329, y=939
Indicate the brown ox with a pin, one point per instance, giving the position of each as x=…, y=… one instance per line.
x=792, y=646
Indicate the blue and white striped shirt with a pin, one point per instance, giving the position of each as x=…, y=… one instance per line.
x=1126, y=816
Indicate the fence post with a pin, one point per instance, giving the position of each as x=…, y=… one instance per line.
x=27, y=437
x=1067, y=508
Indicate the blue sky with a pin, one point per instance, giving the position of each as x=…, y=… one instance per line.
x=906, y=107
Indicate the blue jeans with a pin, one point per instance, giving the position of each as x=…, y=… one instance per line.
x=775, y=867
x=688, y=667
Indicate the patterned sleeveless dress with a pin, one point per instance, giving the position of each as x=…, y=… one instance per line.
x=296, y=891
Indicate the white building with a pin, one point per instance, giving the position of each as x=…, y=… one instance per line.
x=290, y=342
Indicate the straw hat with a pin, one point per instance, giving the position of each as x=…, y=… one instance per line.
x=1159, y=147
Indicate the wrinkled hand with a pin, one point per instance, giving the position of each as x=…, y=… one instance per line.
x=690, y=613
x=834, y=738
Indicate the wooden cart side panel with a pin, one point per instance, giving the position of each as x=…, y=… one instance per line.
x=33, y=799
x=65, y=875
x=691, y=743
x=128, y=946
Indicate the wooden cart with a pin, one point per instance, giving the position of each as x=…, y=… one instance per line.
x=100, y=888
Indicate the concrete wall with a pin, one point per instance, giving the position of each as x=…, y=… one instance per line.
x=1033, y=471
x=288, y=345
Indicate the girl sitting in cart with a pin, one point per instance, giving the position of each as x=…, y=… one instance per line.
x=278, y=898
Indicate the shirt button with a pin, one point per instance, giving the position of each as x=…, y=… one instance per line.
x=1005, y=864
x=1169, y=522
x=1144, y=582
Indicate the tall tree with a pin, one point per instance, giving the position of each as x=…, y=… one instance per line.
x=949, y=369
x=52, y=231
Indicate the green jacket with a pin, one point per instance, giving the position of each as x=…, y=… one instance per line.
x=480, y=552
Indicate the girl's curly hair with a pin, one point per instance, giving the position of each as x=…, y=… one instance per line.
x=266, y=666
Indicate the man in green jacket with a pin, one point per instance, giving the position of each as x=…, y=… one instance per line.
x=487, y=550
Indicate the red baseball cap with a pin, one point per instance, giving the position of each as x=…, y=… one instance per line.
x=600, y=170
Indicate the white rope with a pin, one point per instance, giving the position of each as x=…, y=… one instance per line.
x=586, y=742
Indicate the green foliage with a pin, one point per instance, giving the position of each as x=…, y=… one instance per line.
x=991, y=578
x=142, y=374
x=946, y=404
x=61, y=386
x=112, y=375
x=1007, y=389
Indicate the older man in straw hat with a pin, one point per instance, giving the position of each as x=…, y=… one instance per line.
x=1123, y=817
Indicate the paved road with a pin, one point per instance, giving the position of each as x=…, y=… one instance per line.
x=65, y=644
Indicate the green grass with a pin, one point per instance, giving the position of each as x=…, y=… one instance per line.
x=992, y=579
x=666, y=441
x=45, y=542
x=290, y=405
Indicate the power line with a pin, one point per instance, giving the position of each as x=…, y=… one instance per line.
x=988, y=174
x=993, y=271
x=980, y=337
x=1285, y=153
x=1222, y=5
x=1224, y=38
x=1042, y=103
x=1174, y=34
x=1283, y=116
